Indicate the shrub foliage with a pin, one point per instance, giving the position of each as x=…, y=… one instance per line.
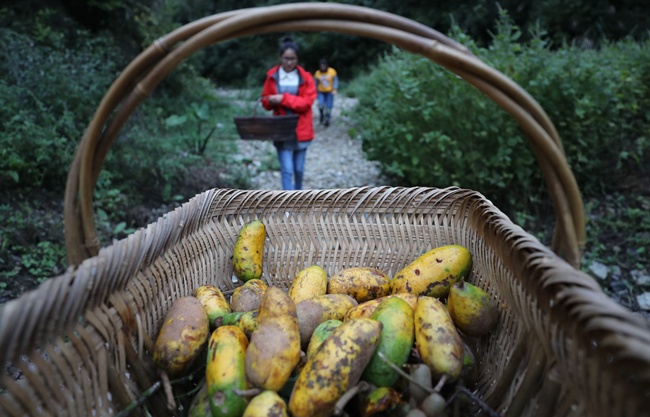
x=429, y=127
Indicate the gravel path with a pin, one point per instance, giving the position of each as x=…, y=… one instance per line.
x=334, y=159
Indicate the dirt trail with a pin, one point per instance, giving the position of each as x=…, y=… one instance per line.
x=334, y=159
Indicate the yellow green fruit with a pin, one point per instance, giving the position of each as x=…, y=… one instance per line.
x=308, y=283
x=469, y=360
x=248, y=296
x=434, y=272
x=379, y=400
x=366, y=309
x=225, y=371
x=248, y=252
x=437, y=339
x=266, y=404
x=318, y=309
x=246, y=321
x=274, y=348
x=200, y=405
x=395, y=342
x=473, y=311
x=182, y=336
x=360, y=283
x=334, y=368
x=320, y=334
x=214, y=301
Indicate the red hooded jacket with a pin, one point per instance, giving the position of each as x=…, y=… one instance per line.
x=300, y=104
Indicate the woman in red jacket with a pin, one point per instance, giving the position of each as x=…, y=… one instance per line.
x=289, y=89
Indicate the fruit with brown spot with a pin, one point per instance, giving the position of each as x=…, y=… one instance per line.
x=274, y=349
x=182, y=336
x=437, y=339
x=474, y=312
x=361, y=283
x=434, y=272
x=248, y=252
x=334, y=368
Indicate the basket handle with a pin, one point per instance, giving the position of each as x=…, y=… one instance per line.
x=258, y=102
x=145, y=72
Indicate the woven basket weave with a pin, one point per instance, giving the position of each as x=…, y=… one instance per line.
x=275, y=128
x=82, y=341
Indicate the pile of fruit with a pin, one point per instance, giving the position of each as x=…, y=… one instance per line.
x=356, y=343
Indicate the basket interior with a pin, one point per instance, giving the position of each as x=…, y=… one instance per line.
x=97, y=343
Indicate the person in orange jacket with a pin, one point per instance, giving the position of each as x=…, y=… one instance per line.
x=290, y=89
x=327, y=83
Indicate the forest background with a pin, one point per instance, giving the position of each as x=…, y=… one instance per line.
x=586, y=62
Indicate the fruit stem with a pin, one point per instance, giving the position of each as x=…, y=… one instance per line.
x=441, y=383
x=404, y=374
x=349, y=394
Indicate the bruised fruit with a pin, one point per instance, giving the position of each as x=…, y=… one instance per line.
x=248, y=296
x=473, y=311
x=334, y=368
x=274, y=348
x=182, y=337
x=361, y=283
x=308, y=283
x=379, y=400
x=318, y=309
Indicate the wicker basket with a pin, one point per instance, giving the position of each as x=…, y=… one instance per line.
x=275, y=128
x=82, y=341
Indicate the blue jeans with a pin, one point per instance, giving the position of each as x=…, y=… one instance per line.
x=292, y=165
x=325, y=102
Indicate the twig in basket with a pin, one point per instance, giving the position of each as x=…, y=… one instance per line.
x=171, y=404
x=192, y=391
x=349, y=394
x=482, y=404
x=137, y=403
x=149, y=392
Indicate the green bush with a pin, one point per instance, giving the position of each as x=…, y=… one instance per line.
x=428, y=127
x=52, y=79
x=47, y=95
x=50, y=87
